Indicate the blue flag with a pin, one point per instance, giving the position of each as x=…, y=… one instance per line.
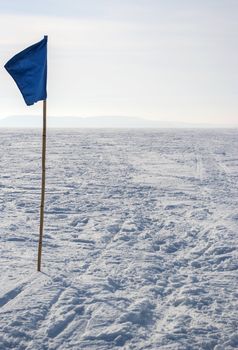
x=29, y=70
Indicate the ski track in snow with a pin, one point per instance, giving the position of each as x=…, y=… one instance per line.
x=140, y=242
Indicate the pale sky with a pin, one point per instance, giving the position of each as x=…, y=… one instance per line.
x=168, y=60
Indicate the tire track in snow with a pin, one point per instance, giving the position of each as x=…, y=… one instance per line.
x=71, y=323
x=60, y=320
x=46, y=294
x=107, y=283
x=12, y=294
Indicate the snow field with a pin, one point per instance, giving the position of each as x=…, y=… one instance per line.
x=140, y=242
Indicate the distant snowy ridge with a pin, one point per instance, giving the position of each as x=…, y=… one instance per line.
x=98, y=122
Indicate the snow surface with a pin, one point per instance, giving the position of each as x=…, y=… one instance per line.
x=140, y=244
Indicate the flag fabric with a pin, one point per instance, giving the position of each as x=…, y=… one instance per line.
x=29, y=70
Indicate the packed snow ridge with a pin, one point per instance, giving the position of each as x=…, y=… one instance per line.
x=140, y=242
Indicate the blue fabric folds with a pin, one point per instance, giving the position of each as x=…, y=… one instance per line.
x=29, y=70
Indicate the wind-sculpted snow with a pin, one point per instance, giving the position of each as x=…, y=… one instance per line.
x=140, y=242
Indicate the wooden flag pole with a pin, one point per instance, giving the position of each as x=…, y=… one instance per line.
x=42, y=188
